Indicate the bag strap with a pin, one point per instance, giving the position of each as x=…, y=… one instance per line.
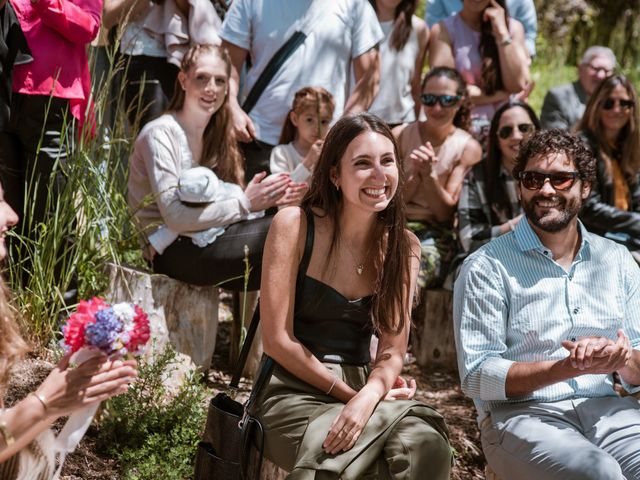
x=272, y=68
x=310, y=19
x=246, y=347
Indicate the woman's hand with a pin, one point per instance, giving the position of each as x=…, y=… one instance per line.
x=494, y=13
x=313, y=155
x=423, y=159
x=293, y=194
x=67, y=389
x=402, y=390
x=348, y=425
x=264, y=192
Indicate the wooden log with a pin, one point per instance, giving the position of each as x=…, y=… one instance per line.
x=432, y=339
x=184, y=315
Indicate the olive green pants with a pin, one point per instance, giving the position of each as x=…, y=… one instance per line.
x=402, y=440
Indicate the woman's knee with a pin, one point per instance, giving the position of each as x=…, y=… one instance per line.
x=417, y=447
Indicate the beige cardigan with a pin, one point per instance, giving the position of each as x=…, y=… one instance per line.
x=159, y=155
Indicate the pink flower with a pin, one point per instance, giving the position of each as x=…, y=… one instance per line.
x=73, y=330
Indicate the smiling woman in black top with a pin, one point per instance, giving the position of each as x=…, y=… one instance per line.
x=335, y=270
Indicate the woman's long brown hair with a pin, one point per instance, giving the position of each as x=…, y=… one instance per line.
x=220, y=150
x=491, y=74
x=628, y=141
x=402, y=25
x=389, y=241
x=12, y=346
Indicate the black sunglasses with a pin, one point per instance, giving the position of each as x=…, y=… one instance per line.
x=525, y=129
x=562, y=181
x=609, y=103
x=445, y=101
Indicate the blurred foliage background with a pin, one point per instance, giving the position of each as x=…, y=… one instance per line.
x=566, y=28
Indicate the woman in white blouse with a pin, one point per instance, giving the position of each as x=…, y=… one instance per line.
x=196, y=132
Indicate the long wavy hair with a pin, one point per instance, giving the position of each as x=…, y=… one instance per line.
x=495, y=192
x=402, y=23
x=220, y=151
x=389, y=241
x=306, y=98
x=462, y=119
x=627, y=144
x=491, y=74
x=12, y=345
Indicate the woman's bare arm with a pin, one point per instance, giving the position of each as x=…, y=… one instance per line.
x=282, y=253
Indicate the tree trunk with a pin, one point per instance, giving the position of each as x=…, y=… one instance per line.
x=184, y=315
x=432, y=339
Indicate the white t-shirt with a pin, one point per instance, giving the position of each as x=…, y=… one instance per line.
x=286, y=159
x=394, y=102
x=345, y=30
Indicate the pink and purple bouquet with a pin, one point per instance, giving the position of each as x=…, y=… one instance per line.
x=119, y=329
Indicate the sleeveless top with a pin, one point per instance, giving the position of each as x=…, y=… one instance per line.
x=449, y=154
x=394, y=102
x=465, y=43
x=333, y=328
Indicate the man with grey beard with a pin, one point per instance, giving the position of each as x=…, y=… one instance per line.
x=544, y=317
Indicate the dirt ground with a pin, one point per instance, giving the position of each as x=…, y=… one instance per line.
x=439, y=389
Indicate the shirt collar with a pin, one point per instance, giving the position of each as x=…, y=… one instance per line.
x=527, y=239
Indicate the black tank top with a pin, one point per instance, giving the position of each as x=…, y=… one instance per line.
x=333, y=328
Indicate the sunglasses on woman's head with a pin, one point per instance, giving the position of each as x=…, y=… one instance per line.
x=525, y=129
x=609, y=103
x=532, y=180
x=445, y=101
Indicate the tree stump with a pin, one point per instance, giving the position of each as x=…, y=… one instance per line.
x=184, y=315
x=432, y=339
x=270, y=471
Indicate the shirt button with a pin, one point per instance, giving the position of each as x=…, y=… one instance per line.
x=576, y=310
x=573, y=339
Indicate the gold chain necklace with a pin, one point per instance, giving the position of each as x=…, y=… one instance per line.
x=359, y=265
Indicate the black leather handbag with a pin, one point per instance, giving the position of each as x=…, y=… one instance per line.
x=233, y=440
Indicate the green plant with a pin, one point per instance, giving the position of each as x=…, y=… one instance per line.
x=152, y=432
x=88, y=223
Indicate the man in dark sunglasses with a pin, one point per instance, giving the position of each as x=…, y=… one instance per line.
x=564, y=105
x=544, y=317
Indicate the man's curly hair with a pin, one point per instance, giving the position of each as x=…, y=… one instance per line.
x=549, y=142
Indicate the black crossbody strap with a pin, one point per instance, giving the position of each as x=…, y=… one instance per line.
x=272, y=68
x=246, y=347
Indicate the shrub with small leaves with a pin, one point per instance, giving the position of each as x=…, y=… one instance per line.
x=151, y=432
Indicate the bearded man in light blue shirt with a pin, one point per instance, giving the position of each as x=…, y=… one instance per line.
x=544, y=318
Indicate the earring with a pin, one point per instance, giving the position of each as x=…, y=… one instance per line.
x=337, y=187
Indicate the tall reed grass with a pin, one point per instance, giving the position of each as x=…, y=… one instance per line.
x=88, y=221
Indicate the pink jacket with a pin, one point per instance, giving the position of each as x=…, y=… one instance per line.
x=58, y=32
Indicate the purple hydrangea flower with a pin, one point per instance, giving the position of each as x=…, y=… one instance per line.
x=104, y=331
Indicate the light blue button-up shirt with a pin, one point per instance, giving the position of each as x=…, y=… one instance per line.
x=514, y=303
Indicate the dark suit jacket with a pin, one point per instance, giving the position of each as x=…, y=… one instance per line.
x=563, y=106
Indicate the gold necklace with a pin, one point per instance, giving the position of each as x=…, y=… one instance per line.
x=359, y=265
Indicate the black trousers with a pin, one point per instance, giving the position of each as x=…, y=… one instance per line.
x=35, y=120
x=256, y=158
x=150, y=82
x=40, y=133
x=221, y=262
